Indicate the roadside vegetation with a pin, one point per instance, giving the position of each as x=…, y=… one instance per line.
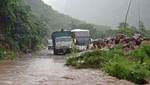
x=25, y=25
x=20, y=30
x=7, y=54
x=133, y=65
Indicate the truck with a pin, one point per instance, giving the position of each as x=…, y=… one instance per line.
x=62, y=42
x=49, y=44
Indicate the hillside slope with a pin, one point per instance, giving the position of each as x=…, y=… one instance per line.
x=19, y=29
x=55, y=20
x=50, y=17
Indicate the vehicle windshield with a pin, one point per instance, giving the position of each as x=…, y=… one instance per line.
x=61, y=39
x=83, y=41
x=82, y=33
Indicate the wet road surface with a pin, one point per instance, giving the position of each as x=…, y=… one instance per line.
x=44, y=68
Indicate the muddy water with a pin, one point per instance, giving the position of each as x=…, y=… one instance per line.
x=44, y=68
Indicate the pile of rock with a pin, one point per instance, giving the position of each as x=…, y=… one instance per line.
x=126, y=41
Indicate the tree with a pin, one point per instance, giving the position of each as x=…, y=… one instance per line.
x=142, y=27
x=129, y=30
x=123, y=25
x=20, y=29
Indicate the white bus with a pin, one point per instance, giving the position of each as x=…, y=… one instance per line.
x=81, y=37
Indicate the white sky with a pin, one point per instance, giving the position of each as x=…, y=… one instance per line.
x=103, y=12
x=56, y=4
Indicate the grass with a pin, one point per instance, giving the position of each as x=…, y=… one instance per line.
x=134, y=67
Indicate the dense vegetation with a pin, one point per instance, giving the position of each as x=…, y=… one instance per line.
x=25, y=25
x=129, y=30
x=133, y=66
x=55, y=21
x=19, y=29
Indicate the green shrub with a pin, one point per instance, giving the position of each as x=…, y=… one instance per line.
x=133, y=67
x=112, y=53
x=137, y=73
x=87, y=60
x=1, y=52
x=146, y=48
x=1, y=55
x=141, y=53
x=9, y=55
x=71, y=61
x=118, y=67
x=94, y=59
x=1, y=48
x=123, y=68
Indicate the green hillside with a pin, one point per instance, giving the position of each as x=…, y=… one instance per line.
x=55, y=20
x=20, y=30
x=50, y=17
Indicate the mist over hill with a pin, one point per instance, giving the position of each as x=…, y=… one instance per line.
x=104, y=12
x=55, y=20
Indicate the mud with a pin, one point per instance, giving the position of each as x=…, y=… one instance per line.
x=44, y=68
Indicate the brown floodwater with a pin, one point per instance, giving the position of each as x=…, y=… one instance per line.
x=44, y=68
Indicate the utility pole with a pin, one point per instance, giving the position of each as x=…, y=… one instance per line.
x=127, y=13
x=139, y=13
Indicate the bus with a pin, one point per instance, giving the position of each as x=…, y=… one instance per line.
x=81, y=37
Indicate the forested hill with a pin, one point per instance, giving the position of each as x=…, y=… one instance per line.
x=50, y=17
x=56, y=21
x=25, y=24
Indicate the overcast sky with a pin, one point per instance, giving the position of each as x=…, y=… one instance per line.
x=103, y=12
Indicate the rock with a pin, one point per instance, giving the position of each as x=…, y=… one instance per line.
x=127, y=42
x=147, y=80
x=68, y=77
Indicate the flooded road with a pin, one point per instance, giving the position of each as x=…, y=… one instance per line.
x=44, y=68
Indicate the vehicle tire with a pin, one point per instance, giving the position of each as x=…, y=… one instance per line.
x=87, y=47
x=49, y=48
x=55, y=52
